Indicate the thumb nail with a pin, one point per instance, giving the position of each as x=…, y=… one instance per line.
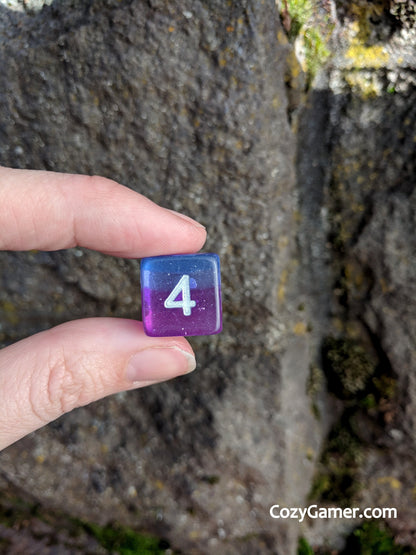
x=159, y=363
x=187, y=219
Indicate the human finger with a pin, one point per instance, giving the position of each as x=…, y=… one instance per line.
x=71, y=365
x=52, y=211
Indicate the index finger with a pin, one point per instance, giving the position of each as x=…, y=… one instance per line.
x=52, y=211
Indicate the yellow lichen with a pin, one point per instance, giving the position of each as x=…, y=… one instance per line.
x=353, y=275
x=362, y=56
x=300, y=328
x=281, y=292
x=297, y=216
x=385, y=286
x=338, y=324
x=310, y=453
x=159, y=484
x=222, y=62
x=366, y=57
x=281, y=37
x=194, y=534
x=9, y=312
x=393, y=482
x=283, y=242
x=276, y=102
x=367, y=86
x=294, y=70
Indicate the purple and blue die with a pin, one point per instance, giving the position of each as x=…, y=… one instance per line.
x=181, y=294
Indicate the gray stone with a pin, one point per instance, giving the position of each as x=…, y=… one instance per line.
x=186, y=103
x=358, y=204
x=309, y=201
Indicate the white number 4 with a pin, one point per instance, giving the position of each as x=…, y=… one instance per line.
x=186, y=303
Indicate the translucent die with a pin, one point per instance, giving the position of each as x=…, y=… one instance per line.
x=181, y=294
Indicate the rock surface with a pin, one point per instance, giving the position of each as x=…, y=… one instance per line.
x=186, y=103
x=362, y=178
x=309, y=200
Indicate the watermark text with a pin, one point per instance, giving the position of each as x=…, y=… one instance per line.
x=315, y=512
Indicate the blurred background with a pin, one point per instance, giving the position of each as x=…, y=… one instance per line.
x=288, y=129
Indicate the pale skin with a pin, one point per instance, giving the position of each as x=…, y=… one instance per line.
x=71, y=365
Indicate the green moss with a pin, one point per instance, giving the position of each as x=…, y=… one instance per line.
x=63, y=531
x=368, y=395
x=385, y=386
x=14, y=510
x=301, y=20
x=337, y=477
x=211, y=479
x=300, y=12
x=304, y=548
x=314, y=386
x=369, y=402
x=316, y=51
x=373, y=538
x=125, y=541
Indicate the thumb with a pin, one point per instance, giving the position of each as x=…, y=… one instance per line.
x=52, y=372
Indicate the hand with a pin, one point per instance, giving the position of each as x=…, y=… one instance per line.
x=78, y=362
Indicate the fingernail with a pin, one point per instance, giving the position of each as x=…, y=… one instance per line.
x=159, y=363
x=187, y=219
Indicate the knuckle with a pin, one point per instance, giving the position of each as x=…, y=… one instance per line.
x=64, y=386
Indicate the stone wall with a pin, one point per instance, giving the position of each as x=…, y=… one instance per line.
x=307, y=194
x=186, y=103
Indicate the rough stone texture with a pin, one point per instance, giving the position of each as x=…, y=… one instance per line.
x=357, y=192
x=314, y=223
x=186, y=103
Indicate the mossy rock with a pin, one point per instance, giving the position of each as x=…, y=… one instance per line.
x=337, y=476
x=374, y=538
x=125, y=541
x=348, y=367
x=302, y=23
x=304, y=548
